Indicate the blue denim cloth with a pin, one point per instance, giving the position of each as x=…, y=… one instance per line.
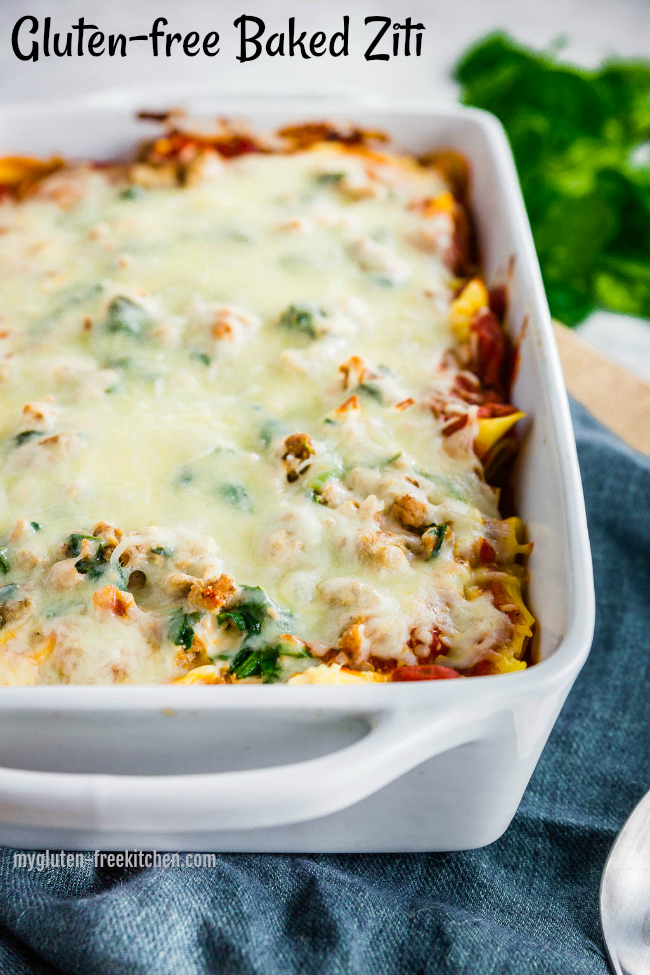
x=526, y=904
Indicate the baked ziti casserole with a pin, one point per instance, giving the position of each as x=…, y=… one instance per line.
x=252, y=396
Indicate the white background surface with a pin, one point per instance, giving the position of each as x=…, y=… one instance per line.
x=594, y=29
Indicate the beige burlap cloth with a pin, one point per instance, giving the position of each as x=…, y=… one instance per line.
x=613, y=394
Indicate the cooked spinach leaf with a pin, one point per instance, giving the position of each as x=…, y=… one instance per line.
x=391, y=460
x=317, y=483
x=289, y=647
x=26, y=436
x=133, y=193
x=201, y=357
x=96, y=563
x=236, y=496
x=238, y=236
x=121, y=363
x=77, y=294
x=256, y=616
x=438, y=532
x=329, y=179
x=75, y=541
x=301, y=319
x=91, y=567
x=383, y=280
x=186, y=476
x=250, y=612
x=443, y=483
x=373, y=391
x=124, y=315
x=264, y=661
x=5, y=564
x=270, y=429
x=181, y=628
x=255, y=663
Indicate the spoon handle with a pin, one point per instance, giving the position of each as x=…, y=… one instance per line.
x=625, y=895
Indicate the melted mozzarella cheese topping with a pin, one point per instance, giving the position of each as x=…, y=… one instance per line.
x=235, y=378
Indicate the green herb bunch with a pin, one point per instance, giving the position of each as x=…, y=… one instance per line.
x=580, y=141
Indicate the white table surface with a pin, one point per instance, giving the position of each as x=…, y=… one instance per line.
x=594, y=29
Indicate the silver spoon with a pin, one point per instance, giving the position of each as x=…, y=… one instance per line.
x=625, y=895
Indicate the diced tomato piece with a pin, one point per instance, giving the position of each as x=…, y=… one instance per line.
x=183, y=146
x=484, y=668
x=499, y=300
x=424, y=672
x=486, y=552
x=236, y=145
x=466, y=384
x=502, y=601
x=490, y=348
x=436, y=647
x=458, y=258
x=471, y=392
x=496, y=409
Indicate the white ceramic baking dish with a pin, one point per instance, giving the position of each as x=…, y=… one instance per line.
x=422, y=766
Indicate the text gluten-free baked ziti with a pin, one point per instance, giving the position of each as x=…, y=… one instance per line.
x=251, y=398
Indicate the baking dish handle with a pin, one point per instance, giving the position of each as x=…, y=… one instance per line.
x=250, y=799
